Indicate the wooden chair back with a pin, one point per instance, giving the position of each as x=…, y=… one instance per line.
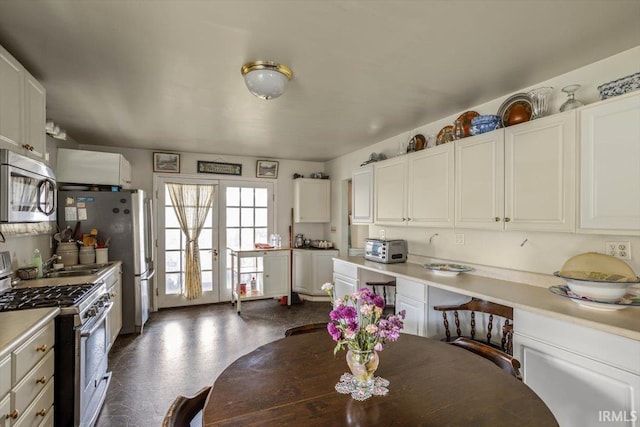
x=376, y=287
x=490, y=308
x=305, y=329
x=184, y=409
x=506, y=362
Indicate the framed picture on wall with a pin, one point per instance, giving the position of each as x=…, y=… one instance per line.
x=166, y=162
x=220, y=168
x=267, y=169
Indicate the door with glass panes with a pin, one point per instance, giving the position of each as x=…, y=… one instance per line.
x=247, y=218
x=172, y=249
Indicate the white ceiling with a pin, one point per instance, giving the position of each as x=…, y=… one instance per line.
x=165, y=75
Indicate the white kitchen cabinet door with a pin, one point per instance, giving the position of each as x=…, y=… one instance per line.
x=390, y=198
x=430, y=187
x=35, y=116
x=362, y=195
x=540, y=174
x=343, y=285
x=414, y=318
x=322, y=270
x=579, y=390
x=610, y=166
x=93, y=167
x=302, y=271
x=11, y=101
x=312, y=200
x=276, y=273
x=479, y=200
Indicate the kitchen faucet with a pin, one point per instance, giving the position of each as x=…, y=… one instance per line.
x=47, y=266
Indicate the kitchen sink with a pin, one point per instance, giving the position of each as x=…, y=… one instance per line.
x=72, y=273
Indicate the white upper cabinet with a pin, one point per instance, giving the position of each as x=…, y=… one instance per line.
x=416, y=189
x=610, y=166
x=312, y=200
x=93, y=168
x=11, y=100
x=35, y=116
x=540, y=171
x=362, y=195
x=480, y=181
x=518, y=178
x=22, y=109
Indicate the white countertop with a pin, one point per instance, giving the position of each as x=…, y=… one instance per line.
x=71, y=280
x=19, y=325
x=625, y=322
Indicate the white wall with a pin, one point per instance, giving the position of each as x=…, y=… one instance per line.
x=142, y=177
x=543, y=252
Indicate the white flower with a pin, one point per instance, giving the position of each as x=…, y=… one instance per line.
x=327, y=287
x=366, y=309
x=339, y=301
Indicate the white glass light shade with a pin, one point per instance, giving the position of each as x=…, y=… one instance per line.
x=265, y=79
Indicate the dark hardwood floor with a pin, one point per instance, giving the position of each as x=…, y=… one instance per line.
x=182, y=350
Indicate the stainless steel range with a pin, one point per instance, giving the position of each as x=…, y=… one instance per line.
x=81, y=377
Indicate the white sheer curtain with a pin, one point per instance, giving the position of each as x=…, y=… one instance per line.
x=191, y=203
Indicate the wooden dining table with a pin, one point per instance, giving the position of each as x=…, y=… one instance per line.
x=292, y=381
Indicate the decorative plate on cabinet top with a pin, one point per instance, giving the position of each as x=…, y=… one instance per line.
x=466, y=118
x=516, y=109
x=445, y=135
x=624, y=302
x=447, y=269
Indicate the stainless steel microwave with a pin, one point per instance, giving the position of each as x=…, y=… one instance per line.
x=27, y=189
x=385, y=251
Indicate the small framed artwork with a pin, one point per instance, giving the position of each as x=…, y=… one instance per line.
x=220, y=168
x=267, y=169
x=166, y=162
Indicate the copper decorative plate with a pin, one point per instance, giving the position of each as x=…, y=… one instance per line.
x=466, y=118
x=445, y=135
x=516, y=109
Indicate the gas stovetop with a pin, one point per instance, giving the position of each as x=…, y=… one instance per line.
x=45, y=296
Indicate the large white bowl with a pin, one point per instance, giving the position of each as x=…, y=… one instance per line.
x=598, y=291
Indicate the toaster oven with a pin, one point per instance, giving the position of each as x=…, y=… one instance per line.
x=385, y=251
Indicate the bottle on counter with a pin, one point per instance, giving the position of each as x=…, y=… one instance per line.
x=36, y=261
x=254, y=284
x=278, y=241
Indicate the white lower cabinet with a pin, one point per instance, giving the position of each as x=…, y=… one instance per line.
x=114, y=288
x=311, y=269
x=412, y=297
x=586, y=377
x=345, y=278
x=276, y=273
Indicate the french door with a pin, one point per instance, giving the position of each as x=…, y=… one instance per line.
x=242, y=214
x=172, y=249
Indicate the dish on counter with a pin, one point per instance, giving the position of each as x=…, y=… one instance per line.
x=519, y=103
x=627, y=301
x=448, y=269
x=465, y=118
x=445, y=135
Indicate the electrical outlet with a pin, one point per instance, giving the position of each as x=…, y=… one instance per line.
x=459, y=239
x=618, y=249
x=382, y=234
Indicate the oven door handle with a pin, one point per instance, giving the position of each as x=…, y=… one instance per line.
x=97, y=322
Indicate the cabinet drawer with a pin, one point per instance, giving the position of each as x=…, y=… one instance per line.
x=5, y=376
x=345, y=269
x=33, y=383
x=39, y=409
x=31, y=352
x=414, y=290
x=5, y=408
x=48, y=419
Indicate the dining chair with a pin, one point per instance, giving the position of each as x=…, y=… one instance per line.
x=504, y=361
x=184, y=409
x=481, y=306
x=376, y=287
x=303, y=329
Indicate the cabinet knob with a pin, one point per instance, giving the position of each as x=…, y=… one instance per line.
x=408, y=219
x=497, y=219
x=41, y=380
x=404, y=219
x=507, y=219
x=42, y=348
x=13, y=415
x=114, y=294
x=41, y=412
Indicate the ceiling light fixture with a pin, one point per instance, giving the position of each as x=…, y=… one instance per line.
x=266, y=79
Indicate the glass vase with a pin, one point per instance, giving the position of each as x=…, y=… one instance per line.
x=363, y=365
x=540, y=99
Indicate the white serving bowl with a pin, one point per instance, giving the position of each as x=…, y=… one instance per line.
x=598, y=291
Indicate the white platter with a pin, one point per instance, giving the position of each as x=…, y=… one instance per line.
x=448, y=270
x=564, y=291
